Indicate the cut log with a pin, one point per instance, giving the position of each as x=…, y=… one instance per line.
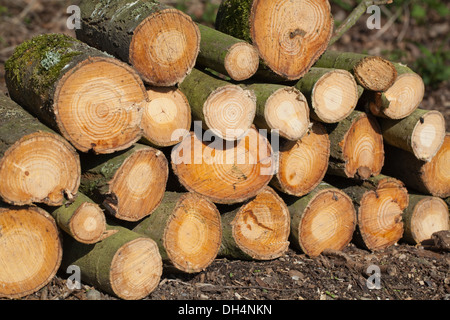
x=37, y=165
x=332, y=93
x=130, y=184
x=430, y=178
x=224, y=108
x=82, y=219
x=402, y=98
x=281, y=108
x=90, y=98
x=224, y=172
x=380, y=202
x=357, y=149
x=127, y=265
x=323, y=219
x=164, y=116
x=159, y=41
x=259, y=229
x=422, y=133
x=187, y=229
x=30, y=250
x=303, y=164
x=299, y=31
x=424, y=216
x=228, y=55
x=371, y=72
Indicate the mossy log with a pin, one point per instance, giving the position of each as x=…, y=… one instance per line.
x=187, y=229
x=81, y=218
x=323, y=219
x=357, y=149
x=424, y=216
x=159, y=41
x=37, y=165
x=257, y=230
x=127, y=265
x=371, y=72
x=30, y=250
x=281, y=108
x=332, y=94
x=421, y=133
x=226, y=172
x=129, y=184
x=380, y=202
x=401, y=99
x=228, y=55
x=302, y=164
x=92, y=99
x=429, y=178
x=226, y=109
x=299, y=31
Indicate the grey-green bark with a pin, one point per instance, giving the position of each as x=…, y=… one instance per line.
x=233, y=18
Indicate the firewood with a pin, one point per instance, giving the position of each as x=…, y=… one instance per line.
x=372, y=72
x=421, y=133
x=282, y=108
x=357, y=148
x=299, y=31
x=165, y=117
x=323, y=219
x=30, y=250
x=430, y=178
x=226, y=109
x=424, y=216
x=159, y=41
x=187, y=229
x=332, y=93
x=226, y=54
x=37, y=165
x=259, y=229
x=303, y=164
x=129, y=184
x=225, y=172
x=127, y=265
x=90, y=98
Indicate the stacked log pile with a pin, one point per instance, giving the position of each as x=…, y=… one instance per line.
x=153, y=142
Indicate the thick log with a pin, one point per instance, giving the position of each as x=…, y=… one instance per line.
x=380, y=203
x=430, y=178
x=303, y=164
x=226, y=109
x=30, y=250
x=332, y=94
x=37, y=165
x=299, y=31
x=159, y=41
x=228, y=55
x=188, y=230
x=421, y=133
x=424, y=216
x=323, y=219
x=90, y=98
x=357, y=149
x=257, y=230
x=281, y=108
x=127, y=265
x=371, y=72
x=129, y=184
x=167, y=113
x=401, y=99
x=225, y=172
x=82, y=219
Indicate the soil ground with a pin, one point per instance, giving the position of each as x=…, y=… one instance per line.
x=407, y=272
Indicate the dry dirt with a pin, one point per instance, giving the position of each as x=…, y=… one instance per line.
x=407, y=272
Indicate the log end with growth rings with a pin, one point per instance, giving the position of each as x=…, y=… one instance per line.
x=241, y=61
x=39, y=168
x=375, y=73
x=88, y=223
